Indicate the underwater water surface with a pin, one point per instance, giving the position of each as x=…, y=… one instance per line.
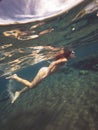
x=68, y=99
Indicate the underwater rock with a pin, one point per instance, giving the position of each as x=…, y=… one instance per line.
x=67, y=70
x=83, y=72
x=95, y=67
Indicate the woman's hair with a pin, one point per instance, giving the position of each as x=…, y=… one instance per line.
x=67, y=52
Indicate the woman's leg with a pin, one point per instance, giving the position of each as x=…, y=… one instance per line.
x=21, y=80
x=39, y=77
x=17, y=94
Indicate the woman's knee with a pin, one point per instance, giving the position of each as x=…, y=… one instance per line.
x=30, y=85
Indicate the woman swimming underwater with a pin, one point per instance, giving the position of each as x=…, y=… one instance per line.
x=59, y=60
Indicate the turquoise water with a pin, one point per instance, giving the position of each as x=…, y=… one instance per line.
x=67, y=99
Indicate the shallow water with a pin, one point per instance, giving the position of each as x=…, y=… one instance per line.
x=65, y=100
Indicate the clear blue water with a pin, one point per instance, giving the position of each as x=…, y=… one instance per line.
x=67, y=99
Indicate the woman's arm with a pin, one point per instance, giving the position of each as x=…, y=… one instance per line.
x=62, y=60
x=55, y=63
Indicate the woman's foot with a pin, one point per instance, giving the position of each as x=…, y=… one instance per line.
x=12, y=76
x=17, y=94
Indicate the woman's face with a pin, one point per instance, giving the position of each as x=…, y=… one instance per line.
x=72, y=55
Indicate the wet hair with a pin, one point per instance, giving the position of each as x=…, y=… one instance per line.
x=67, y=53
